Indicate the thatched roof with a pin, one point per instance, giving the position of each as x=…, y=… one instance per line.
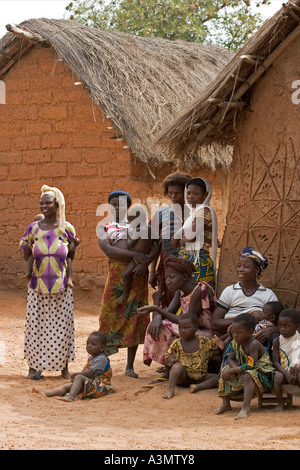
x=140, y=83
x=210, y=120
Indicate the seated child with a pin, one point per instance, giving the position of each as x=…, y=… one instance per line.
x=286, y=353
x=188, y=356
x=248, y=370
x=121, y=236
x=30, y=260
x=94, y=380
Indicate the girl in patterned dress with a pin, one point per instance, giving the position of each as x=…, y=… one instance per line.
x=94, y=380
x=248, y=370
x=188, y=357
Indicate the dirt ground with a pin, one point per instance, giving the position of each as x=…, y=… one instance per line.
x=133, y=418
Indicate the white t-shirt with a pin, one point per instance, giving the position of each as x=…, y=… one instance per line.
x=234, y=299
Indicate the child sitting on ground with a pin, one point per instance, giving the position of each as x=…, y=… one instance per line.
x=28, y=273
x=94, y=380
x=188, y=356
x=286, y=353
x=248, y=370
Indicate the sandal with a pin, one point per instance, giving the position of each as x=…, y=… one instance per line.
x=131, y=373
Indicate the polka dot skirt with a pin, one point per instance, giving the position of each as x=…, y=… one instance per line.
x=49, y=330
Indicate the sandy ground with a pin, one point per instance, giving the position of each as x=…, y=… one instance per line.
x=133, y=418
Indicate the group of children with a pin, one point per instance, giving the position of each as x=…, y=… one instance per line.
x=246, y=370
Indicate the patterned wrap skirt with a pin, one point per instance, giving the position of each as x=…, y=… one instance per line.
x=121, y=323
x=49, y=330
x=204, y=265
x=98, y=386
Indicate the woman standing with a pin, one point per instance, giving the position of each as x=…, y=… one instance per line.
x=199, y=233
x=166, y=219
x=123, y=327
x=49, y=329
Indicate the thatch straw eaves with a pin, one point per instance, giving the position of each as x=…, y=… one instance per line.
x=140, y=83
x=209, y=122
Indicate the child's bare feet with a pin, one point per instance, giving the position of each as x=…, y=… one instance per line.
x=26, y=277
x=279, y=407
x=120, y=299
x=70, y=283
x=36, y=390
x=244, y=413
x=219, y=342
x=65, y=398
x=224, y=407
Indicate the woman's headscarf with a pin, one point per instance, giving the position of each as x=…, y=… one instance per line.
x=59, y=198
x=199, y=242
x=120, y=193
x=260, y=259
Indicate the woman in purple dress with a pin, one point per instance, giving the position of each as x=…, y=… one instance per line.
x=49, y=328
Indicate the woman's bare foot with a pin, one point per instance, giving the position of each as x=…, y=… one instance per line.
x=244, y=413
x=169, y=394
x=36, y=390
x=65, y=373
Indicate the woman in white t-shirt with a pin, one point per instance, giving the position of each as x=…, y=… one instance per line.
x=246, y=296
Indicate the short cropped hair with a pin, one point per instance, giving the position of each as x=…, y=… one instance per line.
x=247, y=319
x=192, y=317
x=292, y=314
x=102, y=336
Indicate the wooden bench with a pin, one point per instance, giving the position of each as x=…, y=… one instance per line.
x=288, y=391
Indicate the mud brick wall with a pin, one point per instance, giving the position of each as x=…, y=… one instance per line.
x=52, y=133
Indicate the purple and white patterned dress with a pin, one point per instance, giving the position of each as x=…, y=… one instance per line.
x=49, y=327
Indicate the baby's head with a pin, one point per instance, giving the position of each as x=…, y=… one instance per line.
x=289, y=322
x=271, y=311
x=96, y=343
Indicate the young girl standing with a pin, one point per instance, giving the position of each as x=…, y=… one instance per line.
x=188, y=356
x=248, y=370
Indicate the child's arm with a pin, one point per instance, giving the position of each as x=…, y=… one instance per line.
x=234, y=368
x=277, y=363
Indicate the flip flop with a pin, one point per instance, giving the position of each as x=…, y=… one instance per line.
x=158, y=380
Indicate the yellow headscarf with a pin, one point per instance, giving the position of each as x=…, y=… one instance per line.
x=59, y=198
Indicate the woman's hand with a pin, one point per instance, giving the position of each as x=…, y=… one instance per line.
x=263, y=334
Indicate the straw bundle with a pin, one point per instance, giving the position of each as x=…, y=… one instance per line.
x=209, y=121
